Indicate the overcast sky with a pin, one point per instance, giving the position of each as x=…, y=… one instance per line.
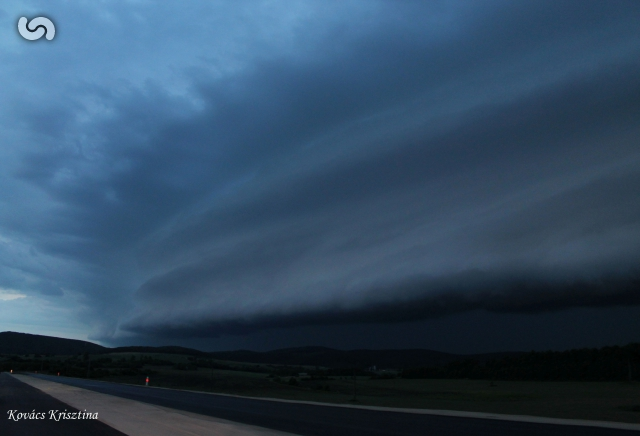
x=455, y=175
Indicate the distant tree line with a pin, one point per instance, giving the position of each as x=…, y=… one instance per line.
x=604, y=364
x=80, y=365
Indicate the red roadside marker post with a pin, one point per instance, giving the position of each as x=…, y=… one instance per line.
x=147, y=381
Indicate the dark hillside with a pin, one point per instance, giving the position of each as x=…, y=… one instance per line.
x=164, y=350
x=24, y=343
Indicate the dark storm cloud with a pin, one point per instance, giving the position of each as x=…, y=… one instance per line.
x=395, y=161
x=166, y=163
x=424, y=298
x=481, y=157
x=504, y=141
x=501, y=139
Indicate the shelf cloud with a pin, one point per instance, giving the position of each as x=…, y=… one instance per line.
x=276, y=167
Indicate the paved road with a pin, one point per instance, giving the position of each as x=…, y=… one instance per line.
x=15, y=395
x=312, y=420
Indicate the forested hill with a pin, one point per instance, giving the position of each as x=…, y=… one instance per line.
x=171, y=349
x=24, y=343
x=607, y=363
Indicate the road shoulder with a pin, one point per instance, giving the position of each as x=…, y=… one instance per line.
x=135, y=418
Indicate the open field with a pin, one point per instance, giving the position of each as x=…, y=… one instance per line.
x=607, y=401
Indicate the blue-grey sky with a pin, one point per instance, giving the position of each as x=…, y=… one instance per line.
x=455, y=175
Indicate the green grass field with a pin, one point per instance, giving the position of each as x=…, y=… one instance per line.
x=607, y=401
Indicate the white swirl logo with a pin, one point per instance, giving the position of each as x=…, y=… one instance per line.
x=36, y=28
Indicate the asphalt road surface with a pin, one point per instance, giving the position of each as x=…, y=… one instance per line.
x=15, y=395
x=313, y=420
